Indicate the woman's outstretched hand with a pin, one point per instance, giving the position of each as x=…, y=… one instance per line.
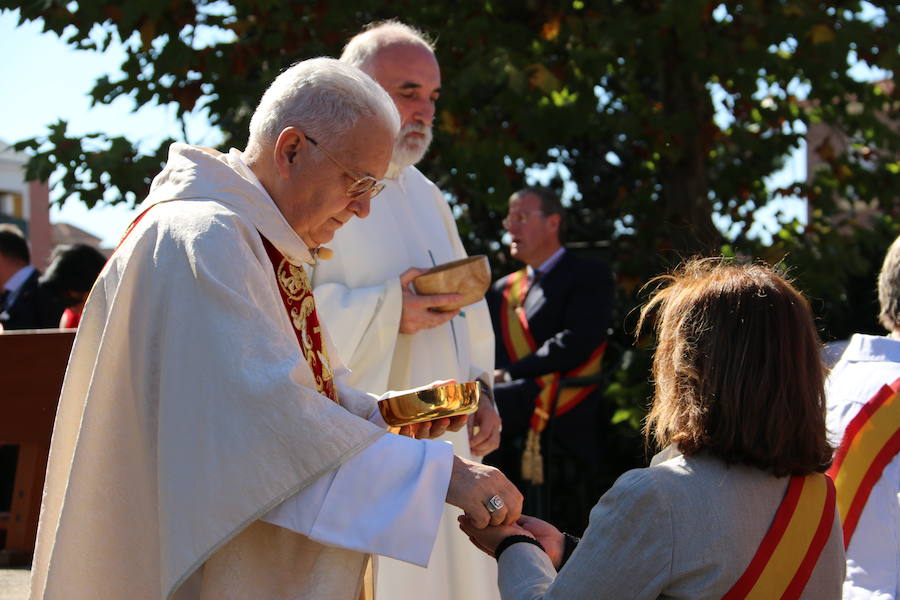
x=549, y=536
x=489, y=538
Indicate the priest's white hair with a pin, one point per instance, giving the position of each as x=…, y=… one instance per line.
x=363, y=47
x=325, y=98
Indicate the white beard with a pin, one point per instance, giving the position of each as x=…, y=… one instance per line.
x=408, y=152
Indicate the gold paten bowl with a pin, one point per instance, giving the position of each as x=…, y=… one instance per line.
x=447, y=400
x=469, y=277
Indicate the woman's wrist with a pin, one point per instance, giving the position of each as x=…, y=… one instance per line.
x=515, y=539
x=569, y=544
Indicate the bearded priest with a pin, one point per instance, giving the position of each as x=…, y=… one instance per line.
x=392, y=337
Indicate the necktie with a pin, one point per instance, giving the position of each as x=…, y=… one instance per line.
x=535, y=277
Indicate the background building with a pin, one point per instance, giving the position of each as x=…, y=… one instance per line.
x=25, y=203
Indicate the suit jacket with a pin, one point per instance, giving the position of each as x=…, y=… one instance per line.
x=35, y=307
x=569, y=311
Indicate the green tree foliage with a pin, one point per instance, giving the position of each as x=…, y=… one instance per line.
x=658, y=116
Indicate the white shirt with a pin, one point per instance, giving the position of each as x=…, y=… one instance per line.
x=873, y=558
x=547, y=265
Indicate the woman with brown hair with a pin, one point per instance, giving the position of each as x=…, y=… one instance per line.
x=736, y=506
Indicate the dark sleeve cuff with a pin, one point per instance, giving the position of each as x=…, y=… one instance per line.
x=569, y=544
x=514, y=539
x=510, y=370
x=487, y=392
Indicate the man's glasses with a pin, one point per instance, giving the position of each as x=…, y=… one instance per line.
x=362, y=184
x=518, y=218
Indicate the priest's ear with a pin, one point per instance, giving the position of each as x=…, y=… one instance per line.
x=290, y=144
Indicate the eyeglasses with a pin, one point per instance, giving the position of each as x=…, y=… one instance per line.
x=362, y=184
x=518, y=218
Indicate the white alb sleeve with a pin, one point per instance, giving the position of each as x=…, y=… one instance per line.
x=386, y=500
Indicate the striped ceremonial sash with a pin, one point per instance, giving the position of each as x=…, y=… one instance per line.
x=790, y=549
x=519, y=343
x=871, y=441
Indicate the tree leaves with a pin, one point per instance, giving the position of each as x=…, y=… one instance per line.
x=655, y=116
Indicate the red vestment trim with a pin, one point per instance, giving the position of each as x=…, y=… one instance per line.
x=296, y=293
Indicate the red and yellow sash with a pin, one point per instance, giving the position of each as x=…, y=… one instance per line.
x=296, y=293
x=519, y=343
x=871, y=441
x=790, y=549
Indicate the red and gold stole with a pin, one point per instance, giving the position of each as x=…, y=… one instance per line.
x=296, y=293
x=791, y=547
x=519, y=343
x=871, y=441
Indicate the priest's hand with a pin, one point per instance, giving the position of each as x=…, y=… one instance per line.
x=474, y=486
x=435, y=428
x=484, y=429
x=489, y=538
x=417, y=311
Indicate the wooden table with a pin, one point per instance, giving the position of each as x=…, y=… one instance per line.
x=32, y=366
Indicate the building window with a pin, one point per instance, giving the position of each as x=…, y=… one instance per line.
x=12, y=204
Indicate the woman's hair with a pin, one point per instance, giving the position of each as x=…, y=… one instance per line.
x=737, y=368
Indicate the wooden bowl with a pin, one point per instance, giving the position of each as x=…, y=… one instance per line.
x=470, y=277
x=447, y=400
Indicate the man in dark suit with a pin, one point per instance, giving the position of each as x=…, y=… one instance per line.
x=25, y=303
x=550, y=320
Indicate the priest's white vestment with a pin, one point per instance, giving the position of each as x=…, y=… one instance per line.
x=189, y=421
x=409, y=225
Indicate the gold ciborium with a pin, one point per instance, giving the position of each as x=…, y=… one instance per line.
x=446, y=400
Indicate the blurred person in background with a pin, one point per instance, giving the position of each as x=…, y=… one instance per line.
x=551, y=319
x=25, y=301
x=71, y=275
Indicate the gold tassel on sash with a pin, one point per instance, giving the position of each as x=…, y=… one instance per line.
x=532, y=460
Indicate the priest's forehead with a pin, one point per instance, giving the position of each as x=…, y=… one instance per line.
x=407, y=68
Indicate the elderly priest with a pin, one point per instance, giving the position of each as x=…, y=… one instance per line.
x=204, y=445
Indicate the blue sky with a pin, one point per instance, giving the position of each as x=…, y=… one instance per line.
x=44, y=80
